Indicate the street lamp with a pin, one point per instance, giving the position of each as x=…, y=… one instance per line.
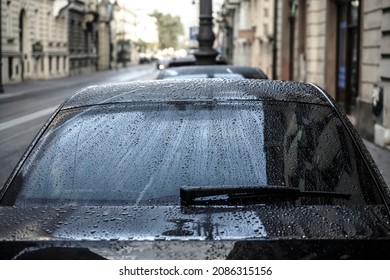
x=292, y=16
x=206, y=54
x=274, y=42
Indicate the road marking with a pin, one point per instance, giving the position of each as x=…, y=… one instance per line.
x=27, y=118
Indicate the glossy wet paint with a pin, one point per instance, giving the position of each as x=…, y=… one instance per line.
x=193, y=223
x=198, y=233
x=282, y=229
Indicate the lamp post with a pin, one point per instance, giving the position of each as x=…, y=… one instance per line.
x=1, y=55
x=206, y=54
x=292, y=16
x=275, y=40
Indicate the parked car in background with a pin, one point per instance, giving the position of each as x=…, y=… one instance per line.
x=181, y=61
x=162, y=63
x=212, y=71
x=196, y=169
x=144, y=60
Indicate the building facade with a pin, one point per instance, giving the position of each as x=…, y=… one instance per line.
x=126, y=34
x=248, y=32
x=261, y=22
x=133, y=27
x=82, y=37
x=341, y=45
x=45, y=39
x=91, y=36
x=34, y=40
x=106, y=40
x=374, y=94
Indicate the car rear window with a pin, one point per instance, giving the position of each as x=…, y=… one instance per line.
x=141, y=154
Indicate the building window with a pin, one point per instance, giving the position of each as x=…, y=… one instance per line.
x=72, y=38
x=10, y=67
x=64, y=63
x=37, y=35
x=8, y=19
x=36, y=64
x=42, y=65
x=58, y=63
x=265, y=12
x=50, y=59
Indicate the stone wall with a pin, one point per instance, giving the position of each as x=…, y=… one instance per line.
x=375, y=70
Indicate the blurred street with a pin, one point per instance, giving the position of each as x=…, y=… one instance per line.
x=25, y=107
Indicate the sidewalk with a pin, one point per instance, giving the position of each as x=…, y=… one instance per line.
x=381, y=157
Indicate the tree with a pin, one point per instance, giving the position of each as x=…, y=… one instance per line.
x=169, y=30
x=145, y=46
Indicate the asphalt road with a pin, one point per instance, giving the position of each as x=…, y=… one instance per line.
x=24, y=111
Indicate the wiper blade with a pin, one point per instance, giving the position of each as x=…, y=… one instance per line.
x=189, y=193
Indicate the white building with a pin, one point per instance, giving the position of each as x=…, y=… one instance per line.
x=131, y=27
x=248, y=32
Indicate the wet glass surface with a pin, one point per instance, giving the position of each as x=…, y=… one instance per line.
x=142, y=154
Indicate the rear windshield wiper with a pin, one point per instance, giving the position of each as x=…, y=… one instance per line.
x=188, y=194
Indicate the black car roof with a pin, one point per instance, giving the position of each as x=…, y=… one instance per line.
x=181, y=61
x=198, y=89
x=246, y=71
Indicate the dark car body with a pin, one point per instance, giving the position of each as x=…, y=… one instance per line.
x=196, y=169
x=162, y=63
x=181, y=61
x=212, y=71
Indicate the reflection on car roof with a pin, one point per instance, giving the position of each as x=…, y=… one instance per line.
x=194, y=89
x=216, y=75
x=245, y=71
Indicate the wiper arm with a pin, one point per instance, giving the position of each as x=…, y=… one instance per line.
x=189, y=193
